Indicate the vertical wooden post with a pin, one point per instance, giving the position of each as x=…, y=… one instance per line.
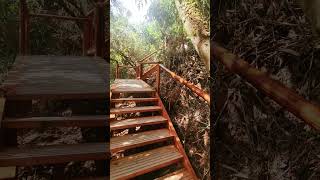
x=99, y=29
x=23, y=28
x=141, y=70
x=137, y=69
x=117, y=71
x=158, y=79
x=86, y=37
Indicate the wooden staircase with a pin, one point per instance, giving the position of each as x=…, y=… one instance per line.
x=143, y=141
x=53, y=78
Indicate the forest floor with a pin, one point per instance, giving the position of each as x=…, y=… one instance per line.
x=255, y=137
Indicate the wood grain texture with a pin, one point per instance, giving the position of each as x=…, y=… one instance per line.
x=139, y=139
x=135, y=122
x=53, y=154
x=141, y=163
x=57, y=77
x=41, y=122
x=137, y=100
x=181, y=174
x=131, y=86
x=135, y=109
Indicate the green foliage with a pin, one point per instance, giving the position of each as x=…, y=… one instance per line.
x=8, y=33
x=131, y=42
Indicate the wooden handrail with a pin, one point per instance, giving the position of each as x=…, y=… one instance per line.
x=149, y=72
x=147, y=57
x=151, y=62
x=81, y=19
x=188, y=84
x=178, y=78
x=283, y=95
x=176, y=140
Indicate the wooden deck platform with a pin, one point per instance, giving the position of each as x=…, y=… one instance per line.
x=131, y=86
x=57, y=77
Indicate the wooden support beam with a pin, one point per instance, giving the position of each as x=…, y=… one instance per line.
x=117, y=71
x=158, y=78
x=87, y=42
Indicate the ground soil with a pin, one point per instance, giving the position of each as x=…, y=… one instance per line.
x=255, y=137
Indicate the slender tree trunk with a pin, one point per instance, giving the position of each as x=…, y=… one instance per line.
x=196, y=28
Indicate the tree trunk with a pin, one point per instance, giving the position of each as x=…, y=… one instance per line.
x=196, y=28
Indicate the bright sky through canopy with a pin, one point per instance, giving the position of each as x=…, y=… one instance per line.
x=137, y=14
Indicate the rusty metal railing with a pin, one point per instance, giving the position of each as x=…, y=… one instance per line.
x=284, y=96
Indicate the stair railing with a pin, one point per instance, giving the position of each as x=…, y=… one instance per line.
x=93, y=36
x=157, y=69
x=284, y=96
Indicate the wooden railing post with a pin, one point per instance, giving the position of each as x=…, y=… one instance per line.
x=23, y=27
x=99, y=29
x=158, y=79
x=141, y=70
x=88, y=34
x=117, y=71
x=138, y=71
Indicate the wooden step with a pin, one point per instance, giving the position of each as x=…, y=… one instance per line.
x=91, y=178
x=121, y=100
x=131, y=86
x=135, y=109
x=141, y=163
x=73, y=121
x=112, y=117
x=139, y=139
x=135, y=122
x=53, y=154
x=181, y=174
x=57, y=77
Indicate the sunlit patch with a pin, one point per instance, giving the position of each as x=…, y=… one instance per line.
x=137, y=11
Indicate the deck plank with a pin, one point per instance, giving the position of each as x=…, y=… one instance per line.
x=135, y=109
x=131, y=86
x=40, y=122
x=53, y=154
x=139, y=139
x=141, y=163
x=181, y=174
x=57, y=77
x=134, y=122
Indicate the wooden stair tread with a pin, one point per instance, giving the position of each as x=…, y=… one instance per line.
x=139, y=139
x=141, y=163
x=91, y=178
x=112, y=117
x=35, y=122
x=134, y=122
x=57, y=77
x=131, y=86
x=181, y=174
x=135, y=109
x=53, y=154
x=134, y=99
